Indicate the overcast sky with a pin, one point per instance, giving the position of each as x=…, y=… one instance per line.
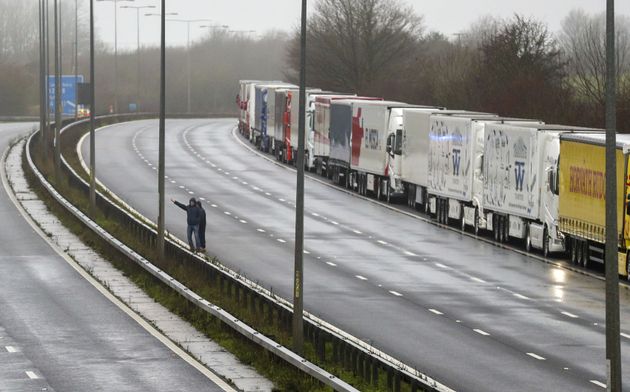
x=446, y=16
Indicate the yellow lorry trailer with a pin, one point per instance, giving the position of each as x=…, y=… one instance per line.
x=581, y=183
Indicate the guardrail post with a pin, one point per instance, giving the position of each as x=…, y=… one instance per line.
x=355, y=361
x=396, y=381
x=375, y=368
x=390, y=378
x=414, y=386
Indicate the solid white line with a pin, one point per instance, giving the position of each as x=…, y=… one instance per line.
x=360, y=277
x=31, y=375
x=480, y=332
x=538, y=357
x=443, y=266
x=396, y=293
x=11, y=349
x=569, y=314
x=625, y=335
x=521, y=296
x=436, y=312
x=599, y=384
x=476, y=279
x=331, y=264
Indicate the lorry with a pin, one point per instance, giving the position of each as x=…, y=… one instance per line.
x=414, y=148
x=581, y=185
x=518, y=183
x=245, y=102
x=456, y=154
x=259, y=129
x=376, y=148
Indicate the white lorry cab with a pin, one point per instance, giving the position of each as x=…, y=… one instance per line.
x=520, y=195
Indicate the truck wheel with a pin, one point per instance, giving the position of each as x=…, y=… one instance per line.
x=545, y=243
x=378, y=189
x=585, y=254
x=476, y=221
x=573, y=245
x=528, y=240
x=463, y=223
x=506, y=228
x=388, y=192
x=578, y=251
x=495, y=227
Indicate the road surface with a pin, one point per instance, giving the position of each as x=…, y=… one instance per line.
x=472, y=315
x=57, y=332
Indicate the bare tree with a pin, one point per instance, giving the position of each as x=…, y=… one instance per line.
x=356, y=44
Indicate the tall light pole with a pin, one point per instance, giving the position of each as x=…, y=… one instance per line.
x=92, y=114
x=42, y=79
x=57, y=29
x=76, y=57
x=116, y=49
x=162, y=127
x=298, y=277
x=137, y=9
x=613, y=352
x=46, y=133
x=188, y=77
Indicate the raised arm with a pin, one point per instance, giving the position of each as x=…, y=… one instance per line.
x=180, y=205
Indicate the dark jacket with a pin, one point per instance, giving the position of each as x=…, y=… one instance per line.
x=193, y=213
x=202, y=221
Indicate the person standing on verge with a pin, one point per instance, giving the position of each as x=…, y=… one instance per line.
x=202, y=227
x=193, y=219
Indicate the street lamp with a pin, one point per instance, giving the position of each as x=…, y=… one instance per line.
x=116, y=49
x=188, y=23
x=137, y=9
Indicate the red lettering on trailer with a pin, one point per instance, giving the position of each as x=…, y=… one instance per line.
x=587, y=182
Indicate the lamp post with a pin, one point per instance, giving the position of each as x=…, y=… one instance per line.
x=298, y=277
x=188, y=76
x=116, y=49
x=76, y=57
x=162, y=127
x=57, y=28
x=137, y=9
x=92, y=114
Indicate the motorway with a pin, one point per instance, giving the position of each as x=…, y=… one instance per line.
x=472, y=315
x=57, y=332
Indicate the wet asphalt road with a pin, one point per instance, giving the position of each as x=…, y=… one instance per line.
x=474, y=316
x=57, y=332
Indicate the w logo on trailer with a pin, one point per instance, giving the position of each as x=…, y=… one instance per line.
x=457, y=159
x=519, y=175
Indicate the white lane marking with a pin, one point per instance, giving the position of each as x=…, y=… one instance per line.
x=260, y=230
x=267, y=193
x=10, y=349
x=219, y=169
x=569, y=314
x=410, y=253
x=443, y=266
x=181, y=187
x=314, y=214
x=476, y=279
x=281, y=240
x=360, y=277
x=235, y=178
x=243, y=221
x=334, y=223
x=357, y=232
x=599, y=384
x=330, y=263
x=282, y=200
x=396, y=293
x=202, y=199
x=538, y=357
x=191, y=192
x=173, y=182
x=382, y=242
x=227, y=212
x=625, y=335
x=244, y=183
x=306, y=252
x=436, y=312
x=214, y=206
x=521, y=296
x=481, y=332
x=31, y=375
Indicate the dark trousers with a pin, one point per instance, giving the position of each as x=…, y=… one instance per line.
x=202, y=235
x=193, y=229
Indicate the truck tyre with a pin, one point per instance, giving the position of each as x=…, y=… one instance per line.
x=495, y=227
x=585, y=254
x=545, y=243
x=506, y=228
x=476, y=221
x=388, y=192
x=528, y=240
x=578, y=251
x=574, y=256
x=378, y=189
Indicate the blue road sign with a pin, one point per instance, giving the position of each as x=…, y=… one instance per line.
x=68, y=93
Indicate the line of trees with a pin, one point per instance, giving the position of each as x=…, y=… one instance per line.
x=514, y=67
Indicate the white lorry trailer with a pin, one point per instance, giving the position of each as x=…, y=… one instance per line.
x=290, y=141
x=376, y=148
x=242, y=101
x=518, y=188
x=260, y=129
x=455, y=183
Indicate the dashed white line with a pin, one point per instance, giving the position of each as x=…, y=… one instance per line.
x=521, y=296
x=538, y=357
x=214, y=205
x=181, y=187
x=330, y=263
x=599, y=384
x=32, y=375
x=260, y=230
x=382, y=242
x=227, y=212
x=436, y=312
x=334, y=223
x=243, y=221
x=396, y=293
x=281, y=240
x=409, y=253
x=314, y=214
x=267, y=193
x=357, y=232
x=481, y=332
x=360, y=277
x=244, y=182
x=10, y=349
x=282, y=200
x=625, y=335
x=202, y=199
x=443, y=266
x=191, y=192
x=569, y=314
x=306, y=252
x=476, y=279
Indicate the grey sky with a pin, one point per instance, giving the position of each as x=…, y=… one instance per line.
x=446, y=16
